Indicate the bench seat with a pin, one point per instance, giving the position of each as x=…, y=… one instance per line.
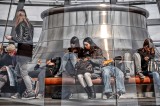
x=98, y=81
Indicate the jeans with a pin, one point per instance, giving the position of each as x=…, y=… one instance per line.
x=21, y=70
x=68, y=72
x=137, y=60
x=66, y=57
x=155, y=76
x=115, y=72
x=41, y=79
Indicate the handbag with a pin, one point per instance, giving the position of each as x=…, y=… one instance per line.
x=83, y=67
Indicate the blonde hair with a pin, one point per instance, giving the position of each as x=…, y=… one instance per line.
x=21, y=16
x=10, y=48
x=1, y=46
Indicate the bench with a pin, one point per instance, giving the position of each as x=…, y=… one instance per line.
x=135, y=81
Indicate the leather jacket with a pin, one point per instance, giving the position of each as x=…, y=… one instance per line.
x=24, y=38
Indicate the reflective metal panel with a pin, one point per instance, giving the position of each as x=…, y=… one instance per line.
x=89, y=17
x=43, y=24
x=55, y=46
x=50, y=24
x=55, y=20
x=121, y=32
x=81, y=17
x=95, y=16
x=134, y=20
x=44, y=36
x=137, y=44
x=81, y=31
x=72, y=18
x=57, y=34
x=100, y=31
x=122, y=44
x=124, y=18
x=104, y=44
x=69, y=32
x=139, y=34
x=105, y=17
x=60, y=19
x=139, y=20
x=66, y=19
x=115, y=16
x=46, y=23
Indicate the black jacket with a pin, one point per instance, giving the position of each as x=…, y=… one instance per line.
x=77, y=50
x=51, y=71
x=24, y=38
x=144, y=63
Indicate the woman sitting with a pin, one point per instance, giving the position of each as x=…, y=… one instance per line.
x=142, y=59
x=93, y=57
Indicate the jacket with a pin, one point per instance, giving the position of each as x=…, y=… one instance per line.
x=96, y=56
x=24, y=38
x=144, y=63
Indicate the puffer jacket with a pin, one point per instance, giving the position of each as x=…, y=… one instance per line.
x=24, y=38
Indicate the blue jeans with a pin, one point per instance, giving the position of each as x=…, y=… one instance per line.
x=66, y=57
x=154, y=75
x=68, y=63
x=111, y=71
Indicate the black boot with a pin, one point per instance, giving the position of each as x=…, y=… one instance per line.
x=88, y=92
x=93, y=93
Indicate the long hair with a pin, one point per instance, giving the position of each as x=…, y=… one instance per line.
x=21, y=17
x=90, y=41
x=75, y=40
x=148, y=42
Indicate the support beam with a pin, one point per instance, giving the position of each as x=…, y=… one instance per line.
x=158, y=4
x=153, y=22
x=11, y=23
x=113, y=1
x=67, y=2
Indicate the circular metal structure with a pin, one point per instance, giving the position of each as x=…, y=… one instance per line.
x=116, y=29
x=95, y=7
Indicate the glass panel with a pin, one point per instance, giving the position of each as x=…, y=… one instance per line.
x=152, y=9
x=8, y=32
x=33, y=14
x=4, y=13
x=154, y=32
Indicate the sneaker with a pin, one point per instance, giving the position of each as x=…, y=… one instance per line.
x=109, y=95
x=39, y=96
x=28, y=95
x=127, y=76
x=141, y=75
x=16, y=96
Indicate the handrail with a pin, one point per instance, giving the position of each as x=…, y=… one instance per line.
x=7, y=21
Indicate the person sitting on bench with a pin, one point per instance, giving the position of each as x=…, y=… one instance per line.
x=7, y=64
x=93, y=57
x=142, y=59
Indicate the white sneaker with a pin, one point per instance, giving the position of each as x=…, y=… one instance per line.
x=39, y=96
x=16, y=96
x=127, y=76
